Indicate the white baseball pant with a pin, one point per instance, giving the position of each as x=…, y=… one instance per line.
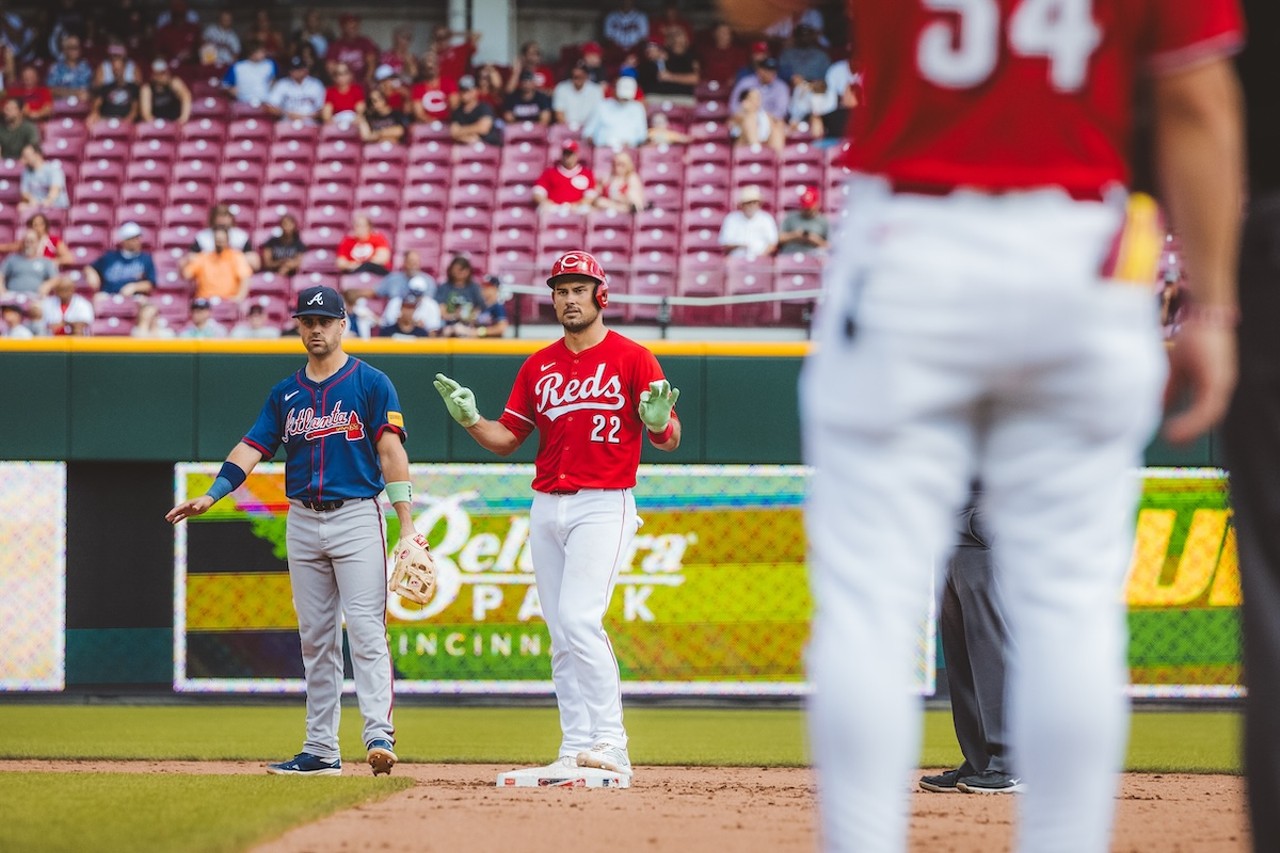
x=578, y=542
x=338, y=565
x=973, y=335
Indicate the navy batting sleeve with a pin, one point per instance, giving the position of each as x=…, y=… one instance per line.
x=384, y=408
x=265, y=435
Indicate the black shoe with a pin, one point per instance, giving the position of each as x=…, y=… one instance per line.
x=943, y=783
x=990, y=782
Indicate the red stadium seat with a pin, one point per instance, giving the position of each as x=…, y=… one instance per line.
x=287, y=193
x=473, y=172
x=98, y=190
x=651, y=280
x=111, y=128
x=431, y=131
x=323, y=236
x=147, y=170
x=298, y=151
x=110, y=327
x=794, y=272
x=256, y=129
x=287, y=170
x=90, y=213
x=476, y=218
x=317, y=260
x=715, y=131
x=381, y=172
x=115, y=305
x=269, y=284
x=207, y=150
x=194, y=171
x=160, y=129
x=246, y=171
x=711, y=110
x=527, y=151
x=209, y=107
x=523, y=218
x=523, y=131
x=305, y=279
x=359, y=281
x=238, y=194
x=425, y=241
x=143, y=192
x=301, y=130
x=471, y=195
x=384, y=217
x=430, y=151
x=472, y=243
x=701, y=278
x=73, y=108
x=246, y=149
x=327, y=214
x=146, y=215
x=377, y=193
x=704, y=238
x=339, y=130
x=154, y=148
x=518, y=172
x=744, y=276
x=428, y=173
x=186, y=215
x=69, y=148
x=608, y=240
x=90, y=235
x=385, y=152
x=339, y=151
x=329, y=193
x=658, y=218
x=514, y=195
x=334, y=172
x=176, y=236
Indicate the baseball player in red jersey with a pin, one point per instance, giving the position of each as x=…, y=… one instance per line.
x=593, y=397
x=990, y=312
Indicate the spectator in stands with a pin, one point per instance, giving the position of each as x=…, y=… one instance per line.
x=805, y=60
x=720, y=56
x=70, y=76
x=256, y=325
x=43, y=184
x=671, y=70
x=65, y=311
x=454, y=50
x=297, y=95
x=68, y=20
x=379, y=122
x=626, y=27
x=117, y=97
x=116, y=68
x=150, y=324
x=202, y=324
x=14, y=315
x=16, y=132
x=427, y=312
x=623, y=191
x=751, y=125
x=220, y=43
x=668, y=20
x=593, y=61
x=126, y=269
x=620, y=121
x=784, y=29
x=473, y=121
x=434, y=96
x=178, y=32
x=491, y=320
x=164, y=96
x=361, y=322
x=662, y=133
x=804, y=230
x=458, y=296
x=264, y=33
x=353, y=48
x=36, y=99
x=249, y=80
x=527, y=103
x=129, y=26
x=51, y=246
x=775, y=95
x=314, y=33
x=220, y=216
x=364, y=249
x=838, y=99
x=344, y=100
x=576, y=99
x=28, y=271
x=399, y=57
x=530, y=60
x=316, y=66
x=386, y=81
x=410, y=277
x=282, y=254
x=223, y=272
x=567, y=184
x=749, y=232
x=491, y=90
x=406, y=325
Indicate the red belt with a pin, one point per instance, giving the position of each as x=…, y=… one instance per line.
x=939, y=190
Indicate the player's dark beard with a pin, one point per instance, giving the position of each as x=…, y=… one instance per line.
x=577, y=322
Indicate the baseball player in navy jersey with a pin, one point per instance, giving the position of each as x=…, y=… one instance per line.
x=340, y=423
x=990, y=312
x=593, y=397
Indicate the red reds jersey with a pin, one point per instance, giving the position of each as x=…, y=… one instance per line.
x=584, y=406
x=353, y=248
x=566, y=186
x=1054, y=76
x=434, y=97
x=344, y=101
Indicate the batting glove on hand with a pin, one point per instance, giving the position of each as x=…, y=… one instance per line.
x=460, y=401
x=656, y=405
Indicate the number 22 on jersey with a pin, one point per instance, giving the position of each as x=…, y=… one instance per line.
x=961, y=49
x=606, y=428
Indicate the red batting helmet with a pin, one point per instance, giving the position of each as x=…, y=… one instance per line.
x=581, y=263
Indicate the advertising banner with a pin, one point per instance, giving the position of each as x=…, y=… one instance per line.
x=33, y=501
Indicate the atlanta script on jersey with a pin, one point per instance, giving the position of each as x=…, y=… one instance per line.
x=330, y=431
x=584, y=408
x=1051, y=74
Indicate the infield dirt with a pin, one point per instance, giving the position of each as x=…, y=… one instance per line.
x=456, y=807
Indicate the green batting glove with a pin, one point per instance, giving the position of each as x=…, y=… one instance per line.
x=656, y=405
x=460, y=401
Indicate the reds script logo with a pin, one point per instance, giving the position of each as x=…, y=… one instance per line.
x=306, y=424
x=557, y=397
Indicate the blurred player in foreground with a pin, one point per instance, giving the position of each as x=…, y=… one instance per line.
x=593, y=397
x=990, y=312
x=1252, y=433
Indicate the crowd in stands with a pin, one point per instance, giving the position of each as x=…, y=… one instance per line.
x=164, y=173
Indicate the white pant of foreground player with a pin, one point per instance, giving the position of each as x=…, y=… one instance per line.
x=337, y=565
x=985, y=343
x=578, y=542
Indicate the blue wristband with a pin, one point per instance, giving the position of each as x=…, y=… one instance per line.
x=230, y=477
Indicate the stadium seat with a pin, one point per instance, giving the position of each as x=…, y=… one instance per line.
x=212, y=130
x=598, y=220
x=532, y=151
x=384, y=217
x=711, y=110
x=658, y=170
x=91, y=213
x=381, y=172
x=709, y=131
x=90, y=234
x=101, y=190
x=329, y=192
x=554, y=241
x=297, y=151
x=317, y=260
x=207, y=150
x=146, y=170
x=385, y=152
x=248, y=150
x=256, y=129
x=111, y=128
x=238, y=194
x=755, y=276
x=288, y=193
x=176, y=236
x=429, y=173
x=701, y=238
x=276, y=304
x=471, y=195
x=798, y=271
x=608, y=240
x=197, y=171
x=154, y=148
x=287, y=170
x=143, y=192
x=339, y=151
x=476, y=218
x=655, y=239
x=73, y=108
x=65, y=128
x=295, y=129
x=518, y=172
x=327, y=214
x=269, y=284
x=334, y=130
x=700, y=278
x=430, y=151
x=160, y=130
x=430, y=131
x=108, y=148
x=425, y=241
x=471, y=242
x=515, y=217
x=376, y=193
x=68, y=148
x=209, y=107
x=146, y=215
x=323, y=236
x=761, y=154
x=334, y=172
x=523, y=131
x=514, y=195
x=110, y=327
x=647, y=279
x=359, y=281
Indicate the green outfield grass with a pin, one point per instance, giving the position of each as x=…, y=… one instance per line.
x=109, y=812
x=1161, y=741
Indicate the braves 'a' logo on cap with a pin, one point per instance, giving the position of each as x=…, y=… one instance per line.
x=318, y=299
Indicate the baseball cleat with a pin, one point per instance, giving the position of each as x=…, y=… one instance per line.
x=943, y=783
x=306, y=764
x=606, y=756
x=990, y=782
x=380, y=757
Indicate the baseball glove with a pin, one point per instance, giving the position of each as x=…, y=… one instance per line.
x=414, y=576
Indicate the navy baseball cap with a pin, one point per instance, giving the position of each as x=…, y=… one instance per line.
x=320, y=302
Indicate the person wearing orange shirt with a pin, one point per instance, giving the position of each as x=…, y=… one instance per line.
x=223, y=273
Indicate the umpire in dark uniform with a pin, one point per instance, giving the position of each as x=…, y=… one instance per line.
x=974, y=639
x=1252, y=430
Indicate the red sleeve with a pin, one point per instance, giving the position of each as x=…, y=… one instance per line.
x=379, y=241
x=590, y=177
x=1188, y=32
x=520, y=412
x=544, y=180
x=344, y=248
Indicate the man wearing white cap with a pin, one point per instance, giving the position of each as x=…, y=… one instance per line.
x=620, y=121
x=749, y=232
x=126, y=269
